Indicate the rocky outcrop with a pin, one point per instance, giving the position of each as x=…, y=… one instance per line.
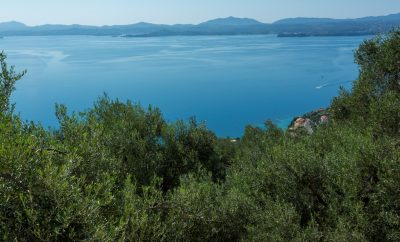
x=309, y=121
x=302, y=123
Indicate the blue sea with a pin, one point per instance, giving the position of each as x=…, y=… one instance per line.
x=227, y=82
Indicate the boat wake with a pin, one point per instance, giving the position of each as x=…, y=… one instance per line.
x=322, y=86
x=332, y=84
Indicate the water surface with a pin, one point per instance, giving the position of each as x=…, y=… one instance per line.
x=225, y=81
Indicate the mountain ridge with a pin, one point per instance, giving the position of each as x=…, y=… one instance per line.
x=231, y=21
x=299, y=26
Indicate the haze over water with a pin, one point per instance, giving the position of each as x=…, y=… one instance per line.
x=226, y=81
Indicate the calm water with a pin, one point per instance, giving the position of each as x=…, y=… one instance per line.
x=226, y=81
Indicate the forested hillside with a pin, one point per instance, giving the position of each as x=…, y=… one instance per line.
x=120, y=172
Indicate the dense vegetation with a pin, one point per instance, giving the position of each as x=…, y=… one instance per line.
x=119, y=172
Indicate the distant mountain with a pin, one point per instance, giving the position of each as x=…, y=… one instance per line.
x=221, y=26
x=335, y=27
x=13, y=25
x=387, y=18
x=306, y=21
x=231, y=21
x=291, y=27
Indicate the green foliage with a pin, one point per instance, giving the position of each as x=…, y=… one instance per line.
x=8, y=78
x=385, y=114
x=378, y=60
x=119, y=172
x=201, y=210
x=140, y=216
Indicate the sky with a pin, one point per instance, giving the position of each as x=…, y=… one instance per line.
x=109, y=12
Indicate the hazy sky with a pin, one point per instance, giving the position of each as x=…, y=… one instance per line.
x=106, y=12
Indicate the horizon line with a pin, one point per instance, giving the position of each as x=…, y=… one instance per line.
x=144, y=22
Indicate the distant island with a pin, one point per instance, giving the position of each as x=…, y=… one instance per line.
x=291, y=27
